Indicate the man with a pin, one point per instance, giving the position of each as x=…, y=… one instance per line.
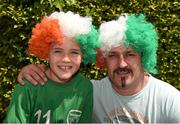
x=129, y=94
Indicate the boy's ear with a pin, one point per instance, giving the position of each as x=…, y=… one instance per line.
x=48, y=56
x=100, y=59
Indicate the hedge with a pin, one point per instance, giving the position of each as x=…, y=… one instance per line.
x=17, y=17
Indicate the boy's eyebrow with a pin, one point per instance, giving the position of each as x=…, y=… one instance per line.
x=57, y=48
x=76, y=49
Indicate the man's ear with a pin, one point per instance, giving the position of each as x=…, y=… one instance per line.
x=47, y=58
x=100, y=59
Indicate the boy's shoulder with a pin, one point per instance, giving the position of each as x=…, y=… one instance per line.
x=79, y=78
x=28, y=85
x=82, y=77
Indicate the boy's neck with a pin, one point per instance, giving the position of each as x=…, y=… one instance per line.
x=51, y=75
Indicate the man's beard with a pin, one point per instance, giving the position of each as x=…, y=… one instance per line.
x=123, y=82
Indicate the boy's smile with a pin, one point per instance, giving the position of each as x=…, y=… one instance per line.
x=64, y=59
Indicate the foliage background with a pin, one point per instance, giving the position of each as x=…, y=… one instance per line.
x=17, y=17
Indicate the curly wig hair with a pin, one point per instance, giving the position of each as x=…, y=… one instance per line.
x=131, y=30
x=58, y=25
x=43, y=35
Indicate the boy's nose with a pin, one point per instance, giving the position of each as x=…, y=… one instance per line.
x=66, y=58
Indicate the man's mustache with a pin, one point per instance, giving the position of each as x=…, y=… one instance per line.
x=117, y=70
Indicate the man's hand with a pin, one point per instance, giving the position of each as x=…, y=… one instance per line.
x=33, y=73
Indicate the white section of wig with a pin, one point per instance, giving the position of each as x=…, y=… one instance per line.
x=72, y=24
x=112, y=33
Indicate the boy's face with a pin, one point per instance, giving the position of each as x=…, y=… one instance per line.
x=64, y=60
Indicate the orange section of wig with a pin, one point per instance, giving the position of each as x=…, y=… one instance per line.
x=44, y=33
x=100, y=60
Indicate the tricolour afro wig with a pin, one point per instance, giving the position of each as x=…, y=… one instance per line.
x=58, y=25
x=131, y=30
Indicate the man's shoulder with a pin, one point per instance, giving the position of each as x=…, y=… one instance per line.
x=103, y=80
x=103, y=84
x=163, y=87
x=160, y=83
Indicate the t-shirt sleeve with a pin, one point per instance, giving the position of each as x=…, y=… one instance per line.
x=86, y=116
x=19, y=108
x=173, y=103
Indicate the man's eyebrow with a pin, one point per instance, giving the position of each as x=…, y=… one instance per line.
x=130, y=51
x=112, y=52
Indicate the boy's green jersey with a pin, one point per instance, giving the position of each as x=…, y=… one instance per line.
x=52, y=103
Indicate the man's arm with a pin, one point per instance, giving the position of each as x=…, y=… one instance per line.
x=34, y=73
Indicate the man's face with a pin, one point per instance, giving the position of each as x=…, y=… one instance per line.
x=124, y=67
x=64, y=59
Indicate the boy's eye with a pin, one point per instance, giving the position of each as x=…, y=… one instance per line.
x=57, y=51
x=74, y=52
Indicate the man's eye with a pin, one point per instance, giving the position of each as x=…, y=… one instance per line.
x=111, y=55
x=130, y=54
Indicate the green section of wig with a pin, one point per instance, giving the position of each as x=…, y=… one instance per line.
x=89, y=43
x=142, y=36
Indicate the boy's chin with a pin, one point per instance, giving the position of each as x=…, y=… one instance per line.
x=66, y=77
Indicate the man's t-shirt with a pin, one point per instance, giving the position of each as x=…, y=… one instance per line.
x=158, y=102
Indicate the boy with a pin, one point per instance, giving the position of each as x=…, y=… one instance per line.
x=64, y=40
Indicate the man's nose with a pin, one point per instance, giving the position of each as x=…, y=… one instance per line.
x=122, y=62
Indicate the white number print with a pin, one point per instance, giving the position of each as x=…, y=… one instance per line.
x=47, y=116
x=73, y=116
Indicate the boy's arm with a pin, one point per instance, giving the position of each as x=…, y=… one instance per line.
x=34, y=73
x=19, y=107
